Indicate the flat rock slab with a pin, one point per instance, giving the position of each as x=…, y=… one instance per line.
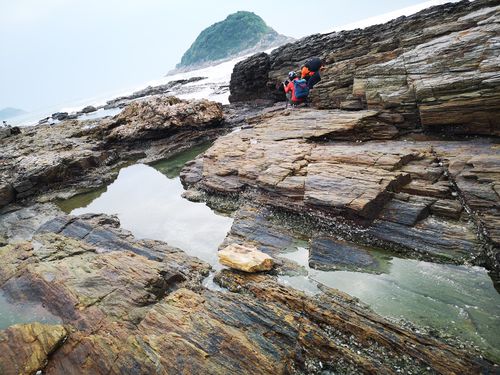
x=334, y=124
x=328, y=254
x=245, y=258
x=350, y=188
x=447, y=208
x=432, y=237
x=406, y=213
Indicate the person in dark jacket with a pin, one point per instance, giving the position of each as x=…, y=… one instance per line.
x=310, y=71
x=290, y=89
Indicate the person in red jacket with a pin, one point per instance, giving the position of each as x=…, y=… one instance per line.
x=290, y=89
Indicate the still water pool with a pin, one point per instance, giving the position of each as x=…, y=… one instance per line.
x=458, y=300
x=20, y=313
x=147, y=200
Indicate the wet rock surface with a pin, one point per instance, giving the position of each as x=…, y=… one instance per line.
x=26, y=348
x=327, y=254
x=363, y=170
x=137, y=307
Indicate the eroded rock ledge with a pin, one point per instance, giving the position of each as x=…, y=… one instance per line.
x=408, y=194
x=46, y=157
x=437, y=70
x=138, y=307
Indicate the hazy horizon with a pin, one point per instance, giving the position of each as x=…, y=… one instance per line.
x=62, y=51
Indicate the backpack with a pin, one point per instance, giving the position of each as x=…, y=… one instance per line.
x=313, y=64
x=301, y=88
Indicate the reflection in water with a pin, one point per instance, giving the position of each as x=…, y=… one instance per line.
x=172, y=167
x=459, y=300
x=80, y=200
x=27, y=312
x=149, y=204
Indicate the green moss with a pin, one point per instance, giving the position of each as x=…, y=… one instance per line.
x=239, y=31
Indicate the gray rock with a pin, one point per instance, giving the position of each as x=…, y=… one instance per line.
x=5, y=132
x=328, y=254
x=405, y=213
x=89, y=109
x=60, y=116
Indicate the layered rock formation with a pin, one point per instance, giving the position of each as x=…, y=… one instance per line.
x=371, y=175
x=402, y=194
x=436, y=70
x=25, y=348
x=138, y=307
x=44, y=157
x=160, y=117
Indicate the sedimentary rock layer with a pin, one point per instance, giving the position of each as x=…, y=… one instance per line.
x=138, y=307
x=49, y=155
x=407, y=194
x=26, y=348
x=437, y=69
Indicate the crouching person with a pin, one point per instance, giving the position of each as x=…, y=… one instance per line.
x=296, y=90
x=310, y=71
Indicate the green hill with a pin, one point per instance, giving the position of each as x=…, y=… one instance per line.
x=240, y=31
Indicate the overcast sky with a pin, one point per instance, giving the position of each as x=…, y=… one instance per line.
x=58, y=51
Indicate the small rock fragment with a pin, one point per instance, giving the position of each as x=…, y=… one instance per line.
x=245, y=258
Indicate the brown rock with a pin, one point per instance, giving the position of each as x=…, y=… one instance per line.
x=447, y=208
x=26, y=348
x=161, y=116
x=290, y=163
x=6, y=194
x=79, y=153
x=440, y=189
x=437, y=69
x=138, y=307
x=245, y=258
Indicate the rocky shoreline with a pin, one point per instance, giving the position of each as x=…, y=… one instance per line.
x=403, y=199
x=130, y=306
x=376, y=161
x=76, y=267
x=426, y=84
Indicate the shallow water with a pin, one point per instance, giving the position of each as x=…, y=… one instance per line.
x=19, y=313
x=458, y=300
x=147, y=200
